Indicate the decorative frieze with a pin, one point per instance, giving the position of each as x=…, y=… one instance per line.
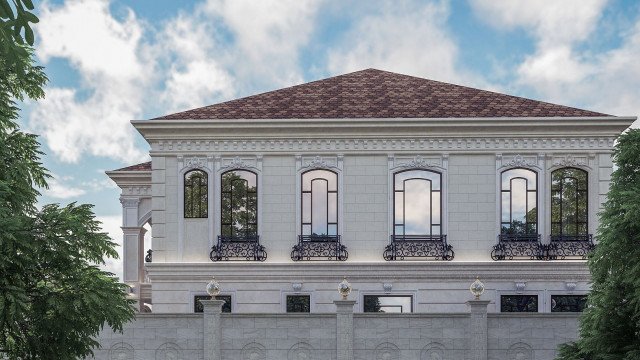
x=417, y=162
x=384, y=145
x=570, y=160
x=239, y=163
x=142, y=191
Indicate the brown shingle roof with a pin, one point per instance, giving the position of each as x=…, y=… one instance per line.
x=145, y=166
x=374, y=93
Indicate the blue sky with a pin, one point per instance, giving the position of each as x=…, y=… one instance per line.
x=113, y=61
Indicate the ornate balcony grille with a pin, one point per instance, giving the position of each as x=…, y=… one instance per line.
x=318, y=248
x=418, y=247
x=569, y=247
x=518, y=247
x=529, y=247
x=238, y=248
x=149, y=257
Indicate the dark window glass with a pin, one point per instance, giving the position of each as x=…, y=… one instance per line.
x=417, y=203
x=195, y=194
x=519, y=197
x=519, y=303
x=568, y=303
x=388, y=303
x=197, y=306
x=298, y=303
x=569, y=202
x=239, y=204
x=320, y=203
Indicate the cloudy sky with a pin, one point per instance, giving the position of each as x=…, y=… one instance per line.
x=113, y=61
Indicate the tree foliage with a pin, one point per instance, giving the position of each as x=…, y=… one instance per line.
x=53, y=297
x=610, y=326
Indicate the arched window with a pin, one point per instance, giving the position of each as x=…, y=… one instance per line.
x=319, y=203
x=239, y=204
x=417, y=202
x=195, y=194
x=569, y=202
x=519, y=195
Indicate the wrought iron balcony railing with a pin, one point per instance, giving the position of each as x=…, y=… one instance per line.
x=418, y=247
x=319, y=247
x=569, y=247
x=238, y=248
x=518, y=247
x=529, y=246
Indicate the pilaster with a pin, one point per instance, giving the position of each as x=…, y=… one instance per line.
x=344, y=331
x=212, y=329
x=478, y=329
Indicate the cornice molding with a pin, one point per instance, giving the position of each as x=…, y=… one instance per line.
x=203, y=130
x=395, y=145
x=419, y=271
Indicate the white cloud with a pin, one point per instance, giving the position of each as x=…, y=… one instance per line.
x=267, y=35
x=196, y=76
x=107, y=54
x=553, y=22
x=127, y=68
x=404, y=36
x=560, y=69
x=111, y=224
x=58, y=188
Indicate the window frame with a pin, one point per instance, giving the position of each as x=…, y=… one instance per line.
x=394, y=224
x=257, y=203
x=538, y=295
x=551, y=295
x=286, y=304
x=501, y=191
x=586, y=197
x=310, y=192
x=390, y=295
x=310, y=294
x=200, y=186
x=192, y=301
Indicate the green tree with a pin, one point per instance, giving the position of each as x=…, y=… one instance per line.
x=610, y=325
x=53, y=297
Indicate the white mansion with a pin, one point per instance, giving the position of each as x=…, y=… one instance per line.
x=410, y=188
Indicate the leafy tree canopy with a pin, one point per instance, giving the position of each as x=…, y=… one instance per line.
x=610, y=326
x=53, y=297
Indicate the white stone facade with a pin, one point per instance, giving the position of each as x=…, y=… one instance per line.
x=469, y=153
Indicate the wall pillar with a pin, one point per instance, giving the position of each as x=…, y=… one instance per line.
x=344, y=330
x=212, y=329
x=478, y=329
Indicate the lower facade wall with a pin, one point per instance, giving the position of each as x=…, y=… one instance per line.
x=529, y=336
x=313, y=336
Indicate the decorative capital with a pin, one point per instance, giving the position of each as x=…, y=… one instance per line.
x=129, y=202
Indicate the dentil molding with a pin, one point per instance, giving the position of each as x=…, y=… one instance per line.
x=385, y=145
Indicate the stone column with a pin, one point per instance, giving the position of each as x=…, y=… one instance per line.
x=344, y=330
x=478, y=329
x=212, y=329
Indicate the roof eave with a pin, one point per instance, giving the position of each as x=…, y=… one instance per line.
x=130, y=178
x=375, y=127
